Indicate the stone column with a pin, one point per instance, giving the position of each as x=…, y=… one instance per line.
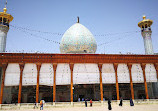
x=37, y=86
x=71, y=88
x=145, y=84
x=21, y=65
x=4, y=67
x=101, y=84
x=131, y=83
x=54, y=84
x=117, y=85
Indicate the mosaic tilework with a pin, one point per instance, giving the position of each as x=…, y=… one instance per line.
x=78, y=39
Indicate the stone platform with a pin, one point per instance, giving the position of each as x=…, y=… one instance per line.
x=31, y=106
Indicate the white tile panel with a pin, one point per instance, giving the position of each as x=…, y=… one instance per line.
x=123, y=73
x=86, y=74
x=137, y=73
x=108, y=74
x=150, y=73
x=29, y=74
x=12, y=76
x=46, y=74
x=63, y=74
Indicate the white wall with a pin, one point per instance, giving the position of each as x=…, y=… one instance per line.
x=46, y=76
x=86, y=74
x=150, y=73
x=63, y=74
x=12, y=76
x=108, y=74
x=123, y=73
x=29, y=74
x=82, y=74
x=137, y=74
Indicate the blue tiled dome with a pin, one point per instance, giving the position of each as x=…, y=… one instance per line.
x=78, y=39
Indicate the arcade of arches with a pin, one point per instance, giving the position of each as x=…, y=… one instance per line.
x=29, y=82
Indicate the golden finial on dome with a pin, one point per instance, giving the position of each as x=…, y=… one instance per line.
x=144, y=17
x=5, y=9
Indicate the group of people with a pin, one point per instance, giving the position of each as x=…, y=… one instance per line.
x=121, y=103
x=109, y=103
x=86, y=103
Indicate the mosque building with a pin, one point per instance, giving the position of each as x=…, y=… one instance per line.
x=77, y=72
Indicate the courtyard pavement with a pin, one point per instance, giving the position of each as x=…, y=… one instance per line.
x=146, y=107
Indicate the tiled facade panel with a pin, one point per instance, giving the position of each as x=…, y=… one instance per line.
x=12, y=76
x=29, y=74
x=108, y=74
x=150, y=73
x=46, y=76
x=123, y=73
x=137, y=74
x=86, y=74
x=63, y=74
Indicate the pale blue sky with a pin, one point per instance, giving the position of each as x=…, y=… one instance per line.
x=101, y=17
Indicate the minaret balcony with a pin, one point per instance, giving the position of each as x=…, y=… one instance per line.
x=5, y=24
x=146, y=29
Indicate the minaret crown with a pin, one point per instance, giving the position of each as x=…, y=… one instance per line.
x=5, y=18
x=145, y=23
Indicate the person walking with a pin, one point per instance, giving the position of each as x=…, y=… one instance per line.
x=35, y=106
x=109, y=104
x=91, y=103
x=78, y=99
x=41, y=105
x=121, y=102
x=131, y=102
x=85, y=102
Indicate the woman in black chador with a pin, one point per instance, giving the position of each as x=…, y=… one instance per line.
x=131, y=102
x=109, y=104
x=85, y=102
x=121, y=101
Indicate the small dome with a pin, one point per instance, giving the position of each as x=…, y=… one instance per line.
x=78, y=39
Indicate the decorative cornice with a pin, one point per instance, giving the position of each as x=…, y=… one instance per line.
x=76, y=58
